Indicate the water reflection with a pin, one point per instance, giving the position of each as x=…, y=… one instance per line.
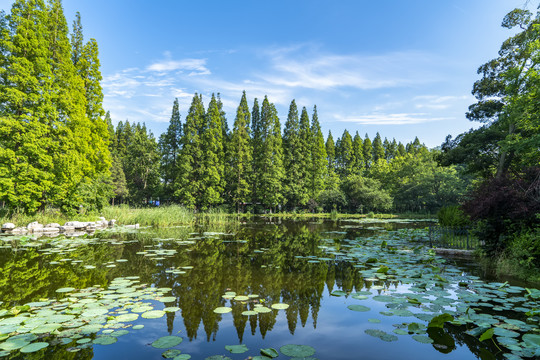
x=274, y=260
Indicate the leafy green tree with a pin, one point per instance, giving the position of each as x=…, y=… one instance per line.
x=213, y=167
x=401, y=151
x=306, y=145
x=345, y=155
x=240, y=156
x=272, y=171
x=358, y=152
x=296, y=191
x=141, y=166
x=507, y=104
x=378, y=149
x=319, y=161
x=119, y=183
x=27, y=115
x=258, y=151
x=332, y=181
x=368, y=152
x=366, y=194
x=169, y=147
x=188, y=183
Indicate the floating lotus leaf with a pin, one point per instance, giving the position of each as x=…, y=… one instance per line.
x=222, y=310
x=374, y=321
x=218, y=357
x=153, y=314
x=171, y=353
x=182, y=357
x=84, y=341
x=299, y=351
x=14, y=344
x=119, y=333
x=422, y=339
x=171, y=309
x=249, y=312
x=360, y=308
x=270, y=352
x=94, y=312
x=280, y=306
x=167, y=299
x=34, y=347
x=142, y=309
x=381, y=335
x=532, y=340
x=262, y=309
x=45, y=328
x=127, y=317
x=65, y=290
x=237, y=349
x=167, y=342
x=105, y=340
x=137, y=327
x=241, y=298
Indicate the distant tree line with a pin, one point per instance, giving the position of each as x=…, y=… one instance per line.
x=256, y=166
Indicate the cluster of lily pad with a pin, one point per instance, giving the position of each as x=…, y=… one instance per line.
x=248, y=300
x=415, y=284
x=296, y=352
x=83, y=317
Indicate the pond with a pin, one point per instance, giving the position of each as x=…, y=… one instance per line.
x=264, y=289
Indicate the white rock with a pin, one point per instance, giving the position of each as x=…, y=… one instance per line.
x=50, y=229
x=52, y=225
x=67, y=228
x=33, y=226
x=8, y=226
x=20, y=230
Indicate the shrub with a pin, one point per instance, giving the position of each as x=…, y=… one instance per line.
x=452, y=216
x=503, y=206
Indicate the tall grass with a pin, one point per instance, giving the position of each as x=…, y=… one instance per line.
x=161, y=216
x=164, y=216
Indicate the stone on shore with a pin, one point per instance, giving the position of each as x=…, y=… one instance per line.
x=35, y=226
x=8, y=227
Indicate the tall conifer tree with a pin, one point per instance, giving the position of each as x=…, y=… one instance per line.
x=188, y=183
x=345, y=155
x=378, y=149
x=332, y=182
x=319, y=161
x=240, y=156
x=368, y=152
x=293, y=160
x=213, y=166
x=169, y=147
x=358, y=151
x=271, y=167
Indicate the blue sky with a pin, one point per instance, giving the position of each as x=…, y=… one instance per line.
x=401, y=68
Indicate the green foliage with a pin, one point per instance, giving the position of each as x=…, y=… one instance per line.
x=240, y=155
x=452, y=216
x=319, y=161
x=366, y=194
x=169, y=149
x=524, y=251
x=331, y=200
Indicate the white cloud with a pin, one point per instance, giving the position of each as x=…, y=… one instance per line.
x=305, y=68
x=195, y=66
x=436, y=102
x=390, y=119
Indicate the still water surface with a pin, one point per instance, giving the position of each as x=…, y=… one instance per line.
x=297, y=263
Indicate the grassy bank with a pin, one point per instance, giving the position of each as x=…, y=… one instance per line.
x=158, y=216
x=335, y=215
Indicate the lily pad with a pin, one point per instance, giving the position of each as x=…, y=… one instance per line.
x=171, y=353
x=127, y=317
x=270, y=352
x=65, y=290
x=360, y=308
x=34, y=347
x=280, y=306
x=167, y=342
x=381, y=335
x=299, y=351
x=237, y=349
x=153, y=314
x=423, y=339
x=218, y=357
x=222, y=310
x=105, y=340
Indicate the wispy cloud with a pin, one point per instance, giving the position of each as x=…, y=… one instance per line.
x=390, y=119
x=307, y=68
x=435, y=102
x=194, y=66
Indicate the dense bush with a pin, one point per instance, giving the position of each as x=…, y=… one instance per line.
x=452, y=216
x=524, y=250
x=332, y=200
x=366, y=194
x=504, y=206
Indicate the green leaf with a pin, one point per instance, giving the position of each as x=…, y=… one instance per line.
x=438, y=321
x=270, y=352
x=488, y=334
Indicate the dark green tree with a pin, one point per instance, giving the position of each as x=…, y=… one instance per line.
x=378, y=149
x=169, y=147
x=319, y=161
x=368, y=152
